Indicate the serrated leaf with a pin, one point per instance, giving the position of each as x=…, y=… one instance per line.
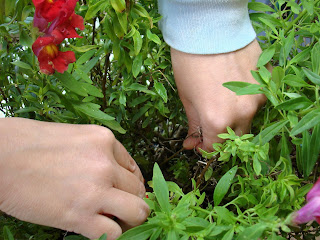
x=160, y=189
x=223, y=185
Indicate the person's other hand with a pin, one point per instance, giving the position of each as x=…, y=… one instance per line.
x=209, y=106
x=74, y=177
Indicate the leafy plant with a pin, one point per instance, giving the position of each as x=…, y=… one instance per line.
x=122, y=79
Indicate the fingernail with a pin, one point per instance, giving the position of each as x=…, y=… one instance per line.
x=132, y=166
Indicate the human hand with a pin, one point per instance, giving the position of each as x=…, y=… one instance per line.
x=72, y=177
x=209, y=106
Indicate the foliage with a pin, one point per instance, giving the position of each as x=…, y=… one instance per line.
x=122, y=79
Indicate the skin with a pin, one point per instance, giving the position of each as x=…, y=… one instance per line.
x=209, y=106
x=72, y=177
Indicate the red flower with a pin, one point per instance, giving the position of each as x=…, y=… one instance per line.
x=52, y=9
x=68, y=28
x=49, y=56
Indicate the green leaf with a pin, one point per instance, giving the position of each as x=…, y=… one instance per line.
x=118, y=5
x=153, y=37
x=223, y=185
x=260, y=7
x=7, y=233
x=92, y=110
x=277, y=75
x=161, y=90
x=141, y=11
x=27, y=109
x=267, y=134
x=113, y=124
x=141, y=111
x=256, y=165
x=141, y=232
x=314, y=151
x=252, y=233
x=228, y=235
x=25, y=39
x=9, y=7
x=307, y=122
x=294, y=104
x=313, y=77
x=122, y=17
x=92, y=90
x=295, y=81
x=301, y=56
x=160, y=189
x=68, y=81
x=137, y=42
x=22, y=65
x=208, y=174
x=103, y=237
x=84, y=48
x=315, y=53
x=266, y=56
x=93, y=9
x=243, y=88
x=136, y=65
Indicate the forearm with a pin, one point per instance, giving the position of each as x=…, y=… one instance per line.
x=206, y=26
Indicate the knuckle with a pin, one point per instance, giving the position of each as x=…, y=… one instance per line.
x=101, y=134
x=216, y=123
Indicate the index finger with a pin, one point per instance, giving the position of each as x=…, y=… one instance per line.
x=124, y=159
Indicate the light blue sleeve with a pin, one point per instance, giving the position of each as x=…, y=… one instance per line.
x=206, y=26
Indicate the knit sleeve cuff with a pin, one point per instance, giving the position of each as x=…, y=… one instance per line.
x=206, y=26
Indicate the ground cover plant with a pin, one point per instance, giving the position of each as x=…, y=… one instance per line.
x=250, y=187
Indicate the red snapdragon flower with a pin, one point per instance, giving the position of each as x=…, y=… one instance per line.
x=53, y=9
x=50, y=57
x=311, y=211
x=67, y=29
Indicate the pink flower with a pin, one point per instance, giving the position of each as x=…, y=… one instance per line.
x=311, y=211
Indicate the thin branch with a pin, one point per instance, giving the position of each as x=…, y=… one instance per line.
x=205, y=170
